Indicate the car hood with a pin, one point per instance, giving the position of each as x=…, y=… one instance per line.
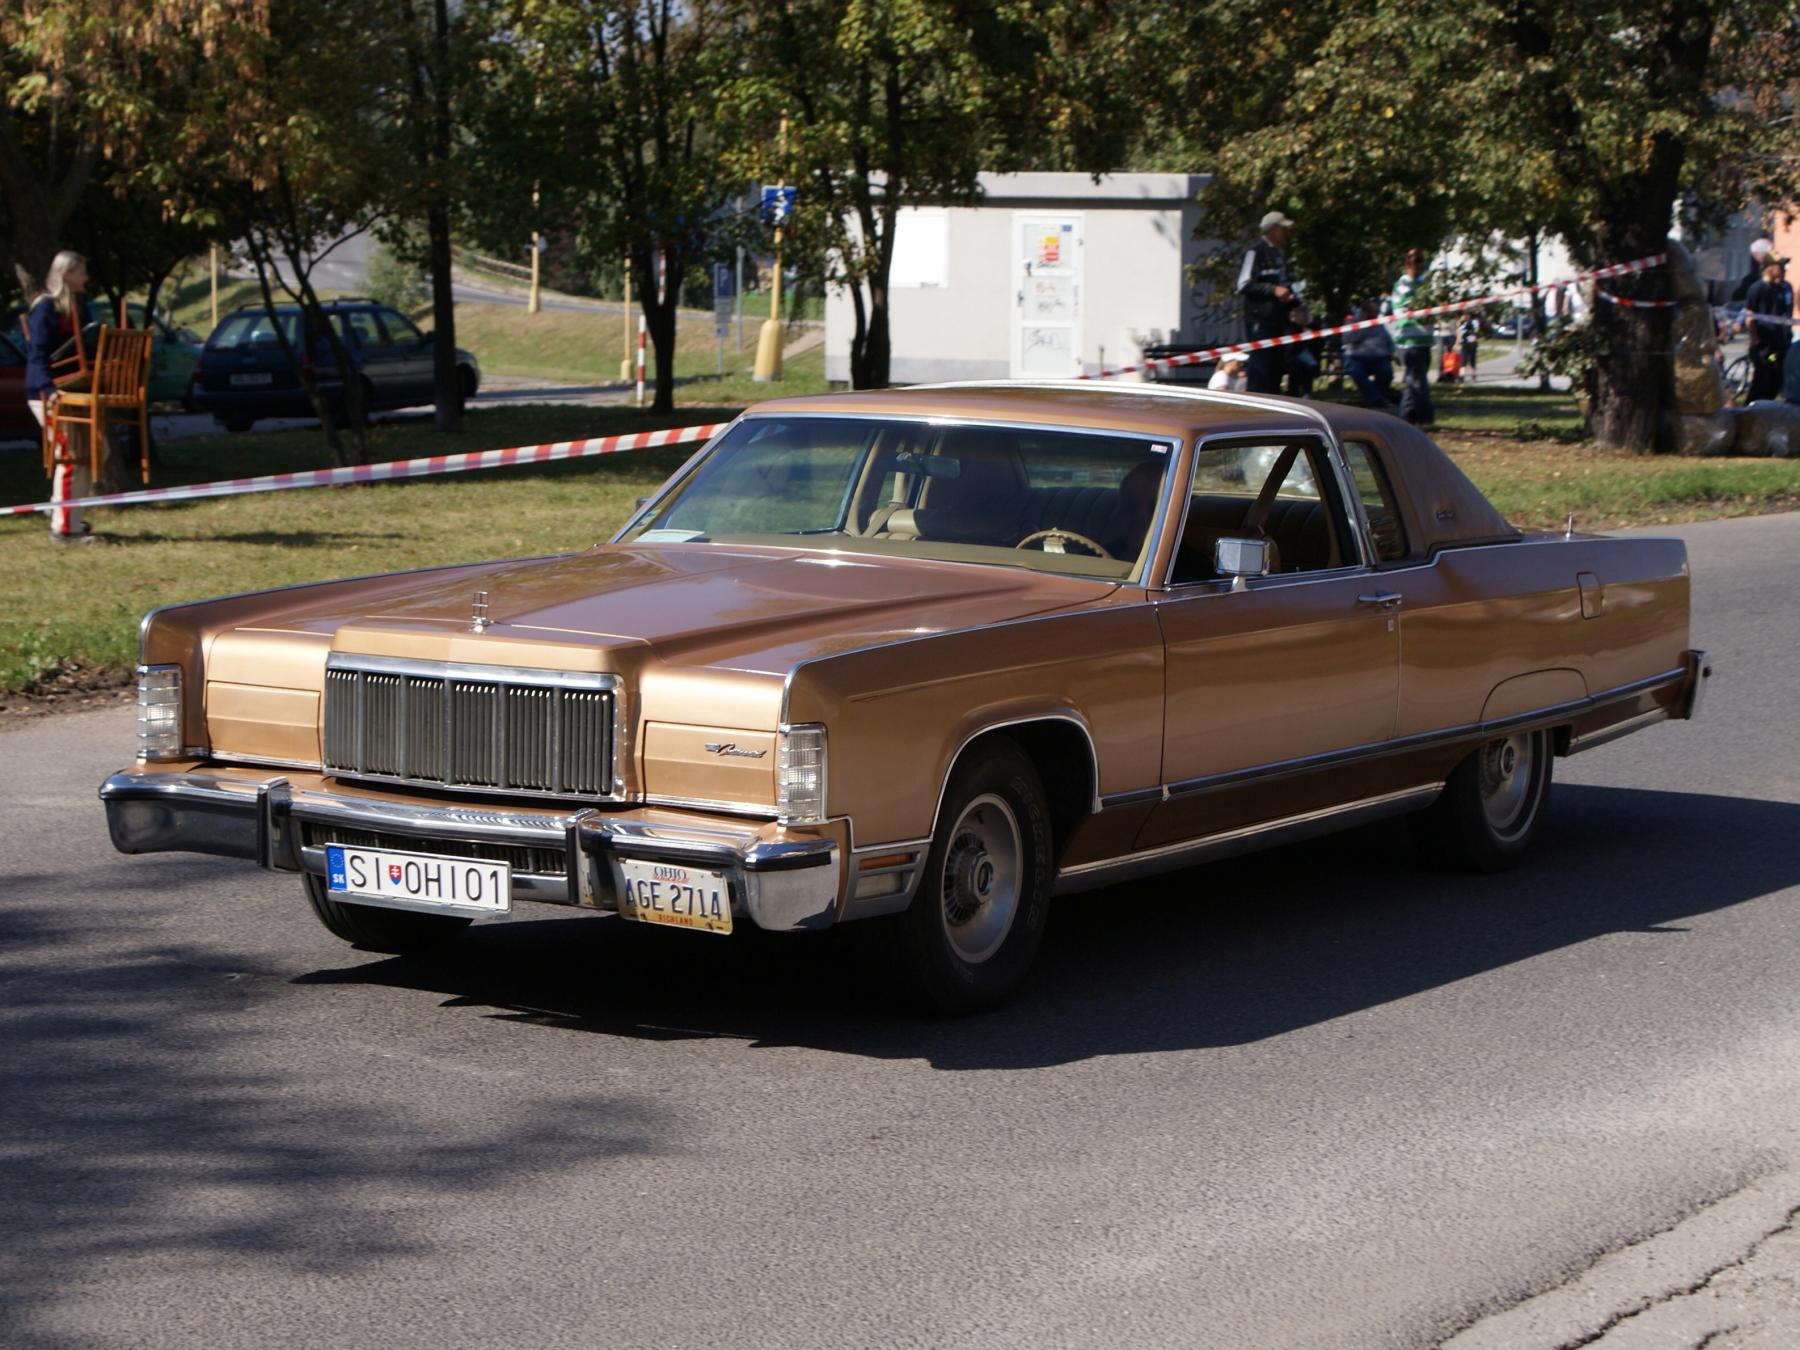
x=753, y=609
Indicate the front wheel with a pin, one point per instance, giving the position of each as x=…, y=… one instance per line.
x=383, y=930
x=974, y=926
x=1492, y=806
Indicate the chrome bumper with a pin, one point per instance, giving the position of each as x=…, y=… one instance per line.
x=1700, y=669
x=782, y=886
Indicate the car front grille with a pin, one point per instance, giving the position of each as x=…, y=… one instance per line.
x=488, y=728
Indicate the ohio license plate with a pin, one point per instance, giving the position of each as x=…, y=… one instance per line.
x=419, y=880
x=682, y=897
x=253, y=377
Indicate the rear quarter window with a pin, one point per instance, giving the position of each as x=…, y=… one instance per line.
x=1377, y=497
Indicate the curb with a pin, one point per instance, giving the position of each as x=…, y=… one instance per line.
x=1624, y=1283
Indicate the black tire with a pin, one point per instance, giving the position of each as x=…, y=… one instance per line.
x=383, y=930
x=973, y=928
x=237, y=426
x=466, y=383
x=1492, y=806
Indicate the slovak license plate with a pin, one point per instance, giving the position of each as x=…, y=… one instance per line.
x=253, y=377
x=682, y=897
x=419, y=880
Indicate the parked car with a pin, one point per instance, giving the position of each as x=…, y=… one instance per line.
x=174, y=352
x=244, y=375
x=174, y=355
x=16, y=421
x=927, y=656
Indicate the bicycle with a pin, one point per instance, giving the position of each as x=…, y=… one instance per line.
x=1737, y=375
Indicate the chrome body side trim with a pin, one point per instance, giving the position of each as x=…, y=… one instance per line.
x=1289, y=829
x=1606, y=735
x=1425, y=739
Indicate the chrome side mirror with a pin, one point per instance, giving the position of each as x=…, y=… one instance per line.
x=1239, y=558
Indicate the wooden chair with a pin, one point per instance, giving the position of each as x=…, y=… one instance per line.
x=117, y=393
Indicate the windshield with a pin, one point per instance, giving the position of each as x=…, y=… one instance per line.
x=251, y=329
x=1074, y=502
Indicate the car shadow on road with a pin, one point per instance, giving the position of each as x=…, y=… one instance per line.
x=150, y=1122
x=1228, y=954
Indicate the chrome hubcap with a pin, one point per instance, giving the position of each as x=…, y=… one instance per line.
x=981, y=878
x=1507, y=772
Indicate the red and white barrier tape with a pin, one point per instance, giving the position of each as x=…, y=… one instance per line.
x=1288, y=339
x=398, y=468
x=1627, y=302
x=1784, y=320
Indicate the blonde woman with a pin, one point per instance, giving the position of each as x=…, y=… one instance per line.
x=54, y=319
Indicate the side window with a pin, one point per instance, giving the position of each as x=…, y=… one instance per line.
x=1377, y=497
x=400, y=329
x=368, y=332
x=1281, y=491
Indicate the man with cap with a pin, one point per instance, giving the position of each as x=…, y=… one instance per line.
x=1268, y=301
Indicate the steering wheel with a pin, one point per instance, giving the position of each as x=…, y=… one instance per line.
x=1066, y=537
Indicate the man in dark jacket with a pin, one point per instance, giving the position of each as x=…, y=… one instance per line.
x=1268, y=302
x=1769, y=313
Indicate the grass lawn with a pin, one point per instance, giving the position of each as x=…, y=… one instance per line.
x=79, y=606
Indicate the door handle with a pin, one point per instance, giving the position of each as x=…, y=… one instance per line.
x=1381, y=600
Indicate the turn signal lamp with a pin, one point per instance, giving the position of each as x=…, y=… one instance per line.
x=159, y=712
x=800, y=775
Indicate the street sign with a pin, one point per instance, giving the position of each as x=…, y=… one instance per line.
x=778, y=203
x=724, y=287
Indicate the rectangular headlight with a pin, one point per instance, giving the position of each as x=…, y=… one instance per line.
x=159, y=712
x=800, y=775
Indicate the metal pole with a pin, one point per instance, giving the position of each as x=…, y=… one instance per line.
x=768, y=343
x=625, y=360
x=215, y=285
x=737, y=299
x=534, y=304
x=640, y=362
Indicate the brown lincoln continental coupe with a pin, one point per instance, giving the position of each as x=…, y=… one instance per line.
x=928, y=655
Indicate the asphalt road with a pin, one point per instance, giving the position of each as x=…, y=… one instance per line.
x=1318, y=1097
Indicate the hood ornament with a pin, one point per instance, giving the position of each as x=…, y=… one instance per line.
x=478, y=619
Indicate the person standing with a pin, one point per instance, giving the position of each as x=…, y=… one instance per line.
x=1760, y=249
x=1768, y=310
x=55, y=318
x=1369, y=358
x=1268, y=301
x=1414, y=341
x=1471, y=344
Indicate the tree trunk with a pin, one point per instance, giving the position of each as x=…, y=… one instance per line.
x=659, y=320
x=1631, y=382
x=260, y=258
x=447, y=394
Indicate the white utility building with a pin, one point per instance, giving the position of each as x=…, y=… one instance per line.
x=1048, y=275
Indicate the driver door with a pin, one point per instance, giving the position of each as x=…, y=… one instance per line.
x=1271, y=681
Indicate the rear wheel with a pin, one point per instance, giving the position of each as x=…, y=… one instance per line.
x=973, y=928
x=237, y=426
x=466, y=382
x=1492, y=806
x=383, y=930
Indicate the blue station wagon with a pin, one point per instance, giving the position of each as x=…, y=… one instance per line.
x=244, y=374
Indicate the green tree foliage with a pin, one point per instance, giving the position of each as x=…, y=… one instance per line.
x=891, y=103
x=87, y=82
x=1380, y=123
x=605, y=121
